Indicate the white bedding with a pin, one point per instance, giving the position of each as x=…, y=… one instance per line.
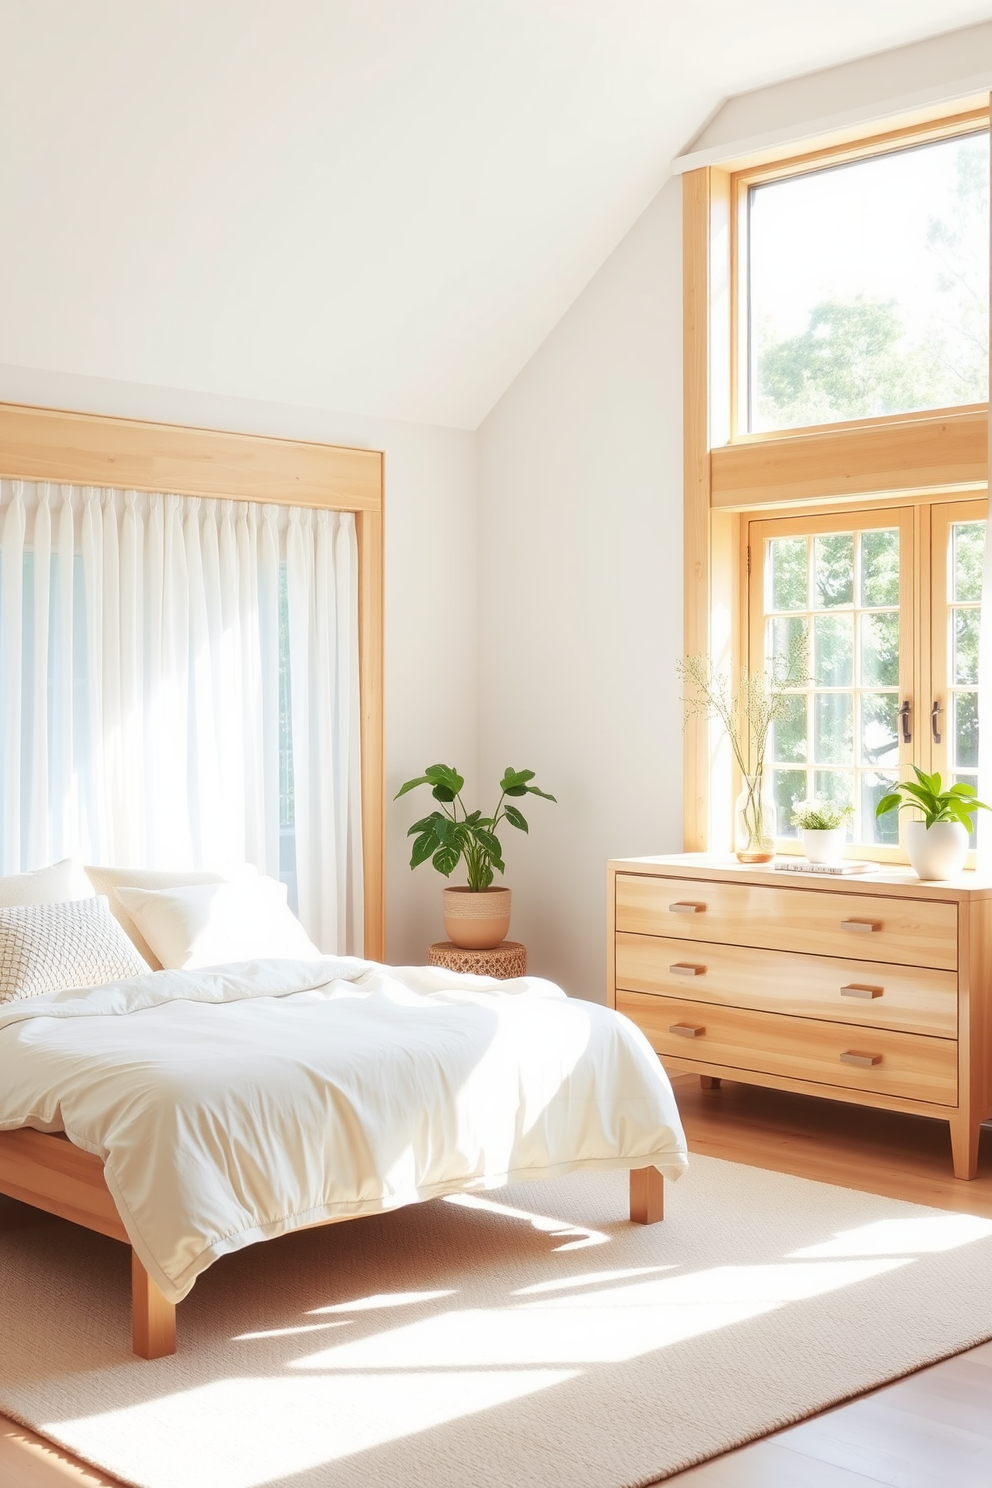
x=235, y=1103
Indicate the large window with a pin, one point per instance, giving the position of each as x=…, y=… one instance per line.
x=836, y=436
x=883, y=692
x=866, y=287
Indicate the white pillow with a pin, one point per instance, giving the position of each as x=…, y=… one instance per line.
x=207, y=924
x=52, y=885
x=107, y=880
x=46, y=947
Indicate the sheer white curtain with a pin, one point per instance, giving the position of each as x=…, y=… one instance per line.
x=179, y=683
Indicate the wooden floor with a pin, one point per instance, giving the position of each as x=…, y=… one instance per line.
x=932, y=1430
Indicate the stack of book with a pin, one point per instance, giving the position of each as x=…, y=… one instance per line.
x=803, y=865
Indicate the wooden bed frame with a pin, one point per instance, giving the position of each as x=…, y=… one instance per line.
x=50, y=1174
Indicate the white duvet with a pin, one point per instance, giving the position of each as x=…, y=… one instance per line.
x=233, y=1104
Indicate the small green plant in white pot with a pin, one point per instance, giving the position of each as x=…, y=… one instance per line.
x=823, y=825
x=937, y=845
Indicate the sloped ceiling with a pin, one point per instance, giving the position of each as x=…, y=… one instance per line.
x=379, y=206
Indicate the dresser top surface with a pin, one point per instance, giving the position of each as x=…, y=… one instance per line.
x=721, y=867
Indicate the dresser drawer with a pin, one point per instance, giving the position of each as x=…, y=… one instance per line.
x=873, y=994
x=912, y=1066
x=859, y=927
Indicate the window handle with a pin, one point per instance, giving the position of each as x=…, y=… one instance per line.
x=935, y=713
x=907, y=737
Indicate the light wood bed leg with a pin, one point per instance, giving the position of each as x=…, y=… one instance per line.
x=647, y=1196
x=710, y=1082
x=153, y=1319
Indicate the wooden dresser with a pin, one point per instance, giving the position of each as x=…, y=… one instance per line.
x=870, y=989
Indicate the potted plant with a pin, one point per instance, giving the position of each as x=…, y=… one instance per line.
x=937, y=845
x=477, y=915
x=748, y=716
x=823, y=825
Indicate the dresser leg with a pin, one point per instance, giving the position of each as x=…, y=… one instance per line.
x=647, y=1196
x=710, y=1082
x=965, y=1133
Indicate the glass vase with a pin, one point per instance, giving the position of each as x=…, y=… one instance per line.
x=754, y=821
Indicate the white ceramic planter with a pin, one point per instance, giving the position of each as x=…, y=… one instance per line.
x=824, y=844
x=476, y=921
x=937, y=852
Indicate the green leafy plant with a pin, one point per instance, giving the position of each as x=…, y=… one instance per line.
x=958, y=803
x=820, y=816
x=445, y=837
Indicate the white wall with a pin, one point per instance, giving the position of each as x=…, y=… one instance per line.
x=430, y=622
x=580, y=589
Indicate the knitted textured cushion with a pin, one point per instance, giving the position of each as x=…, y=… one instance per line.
x=46, y=947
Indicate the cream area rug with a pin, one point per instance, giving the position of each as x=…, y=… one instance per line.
x=532, y=1337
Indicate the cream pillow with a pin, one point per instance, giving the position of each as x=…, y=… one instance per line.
x=208, y=924
x=107, y=880
x=46, y=947
x=52, y=885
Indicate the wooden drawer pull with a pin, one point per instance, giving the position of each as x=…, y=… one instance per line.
x=687, y=1030
x=685, y=907
x=856, y=989
x=865, y=1061
x=864, y=926
x=686, y=968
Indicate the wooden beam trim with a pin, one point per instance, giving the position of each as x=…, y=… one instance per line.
x=129, y=454
x=945, y=453
x=370, y=661
x=696, y=477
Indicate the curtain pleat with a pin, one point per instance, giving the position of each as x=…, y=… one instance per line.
x=64, y=796
x=11, y=660
x=270, y=619
x=37, y=759
x=179, y=679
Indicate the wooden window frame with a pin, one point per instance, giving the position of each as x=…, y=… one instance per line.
x=891, y=142
x=44, y=444
x=916, y=457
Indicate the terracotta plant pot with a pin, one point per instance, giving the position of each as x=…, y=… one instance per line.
x=476, y=921
x=937, y=852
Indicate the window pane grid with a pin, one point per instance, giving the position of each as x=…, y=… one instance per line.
x=965, y=561
x=839, y=739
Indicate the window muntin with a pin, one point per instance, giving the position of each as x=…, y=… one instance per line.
x=867, y=287
x=860, y=583
x=958, y=540
x=840, y=738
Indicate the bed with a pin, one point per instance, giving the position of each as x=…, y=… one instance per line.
x=191, y=1112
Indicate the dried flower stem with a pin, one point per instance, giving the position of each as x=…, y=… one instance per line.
x=748, y=714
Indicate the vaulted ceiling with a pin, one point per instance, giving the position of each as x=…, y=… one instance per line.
x=380, y=206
